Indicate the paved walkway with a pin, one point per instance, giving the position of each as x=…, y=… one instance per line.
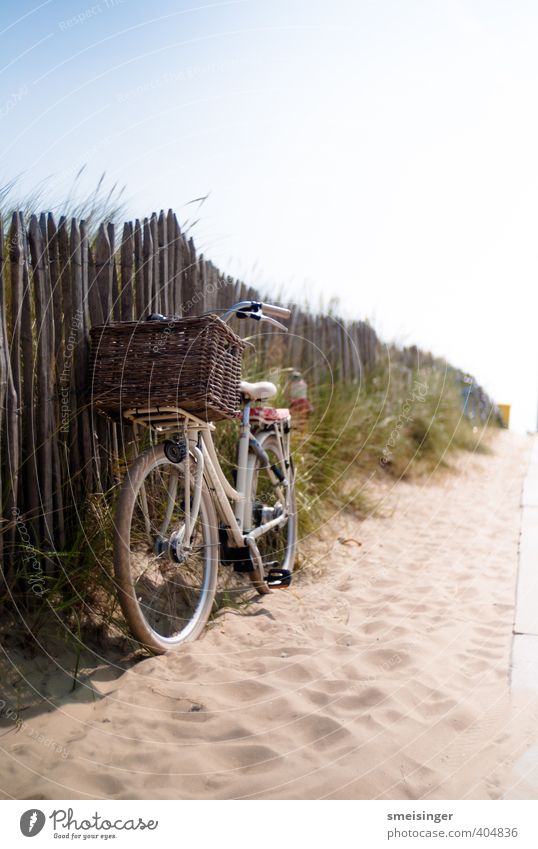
x=524, y=672
x=525, y=651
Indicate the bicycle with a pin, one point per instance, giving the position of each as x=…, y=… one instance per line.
x=179, y=519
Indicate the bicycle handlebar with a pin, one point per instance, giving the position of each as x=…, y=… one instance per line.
x=258, y=311
x=275, y=312
x=243, y=309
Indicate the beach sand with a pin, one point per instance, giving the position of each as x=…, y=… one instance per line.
x=382, y=673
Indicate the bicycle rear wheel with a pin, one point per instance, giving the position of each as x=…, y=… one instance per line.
x=165, y=602
x=278, y=546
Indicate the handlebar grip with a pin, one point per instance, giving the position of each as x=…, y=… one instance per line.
x=276, y=312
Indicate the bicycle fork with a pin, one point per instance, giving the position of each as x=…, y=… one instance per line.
x=192, y=509
x=178, y=542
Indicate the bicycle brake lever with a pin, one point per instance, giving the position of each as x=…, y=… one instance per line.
x=273, y=321
x=254, y=311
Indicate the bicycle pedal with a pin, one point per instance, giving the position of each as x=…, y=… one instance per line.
x=278, y=579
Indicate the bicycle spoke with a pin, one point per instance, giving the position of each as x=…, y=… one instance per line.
x=172, y=493
x=145, y=511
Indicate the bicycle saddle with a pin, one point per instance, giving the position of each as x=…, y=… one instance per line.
x=260, y=391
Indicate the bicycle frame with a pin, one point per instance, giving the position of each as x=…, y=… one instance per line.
x=233, y=504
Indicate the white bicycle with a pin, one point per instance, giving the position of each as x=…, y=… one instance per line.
x=179, y=519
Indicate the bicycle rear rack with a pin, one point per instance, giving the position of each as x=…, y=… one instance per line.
x=162, y=419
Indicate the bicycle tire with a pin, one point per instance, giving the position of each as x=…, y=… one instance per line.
x=271, y=445
x=140, y=614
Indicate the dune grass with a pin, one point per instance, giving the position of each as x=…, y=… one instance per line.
x=395, y=423
x=103, y=203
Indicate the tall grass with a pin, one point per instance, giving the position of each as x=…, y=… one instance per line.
x=103, y=203
x=395, y=423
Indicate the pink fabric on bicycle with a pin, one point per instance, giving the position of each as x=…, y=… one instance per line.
x=272, y=414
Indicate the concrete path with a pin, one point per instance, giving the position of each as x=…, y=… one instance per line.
x=524, y=671
x=525, y=651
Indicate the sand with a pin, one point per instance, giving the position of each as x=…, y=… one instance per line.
x=383, y=673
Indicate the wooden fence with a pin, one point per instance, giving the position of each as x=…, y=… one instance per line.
x=55, y=284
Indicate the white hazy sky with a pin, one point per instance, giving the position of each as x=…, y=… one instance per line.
x=381, y=152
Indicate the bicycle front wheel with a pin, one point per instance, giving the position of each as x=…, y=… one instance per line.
x=166, y=599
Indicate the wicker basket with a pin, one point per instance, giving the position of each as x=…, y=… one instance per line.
x=191, y=363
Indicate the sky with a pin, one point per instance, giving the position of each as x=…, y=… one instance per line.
x=381, y=153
